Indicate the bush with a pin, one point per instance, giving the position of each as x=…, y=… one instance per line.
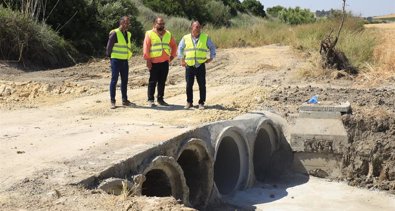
x=86, y=23
x=218, y=13
x=109, y=14
x=25, y=41
x=205, y=11
x=296, y=16
x=274, y=11
x=169, y=7
x=254, y=7
x=234, y=6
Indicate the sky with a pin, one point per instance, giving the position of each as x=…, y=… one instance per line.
x=364, y=8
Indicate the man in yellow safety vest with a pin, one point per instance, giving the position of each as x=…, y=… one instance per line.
x=119, y=50
x=193, y=51
x=159, y=49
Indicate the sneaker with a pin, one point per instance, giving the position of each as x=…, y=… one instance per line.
x=188, y=106
x=162, y=103
x=151, y=104
x=127, y=103
x=201, y=107
x=112, y=105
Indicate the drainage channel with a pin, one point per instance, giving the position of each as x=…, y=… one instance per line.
x=202, y=165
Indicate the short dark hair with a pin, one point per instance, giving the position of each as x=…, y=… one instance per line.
x=123, y=18
x=156, y=18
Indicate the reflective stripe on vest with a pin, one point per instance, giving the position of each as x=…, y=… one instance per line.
x=158, y=45
x=121, y=49
x=196, y=53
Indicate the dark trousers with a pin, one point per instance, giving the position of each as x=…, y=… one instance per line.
x=200, y=73
x=119, y=67
x=157, y=75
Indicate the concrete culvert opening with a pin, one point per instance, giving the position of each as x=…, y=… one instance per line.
x=156, y=184
x=195, y=173
x=163, y=177
x=227, y=165
x=262, y=154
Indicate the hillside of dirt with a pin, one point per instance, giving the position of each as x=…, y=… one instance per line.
x=54, y=121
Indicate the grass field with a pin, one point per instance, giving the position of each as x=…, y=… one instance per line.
x=383, y=54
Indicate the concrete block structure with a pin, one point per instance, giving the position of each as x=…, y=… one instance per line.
x=318, y=137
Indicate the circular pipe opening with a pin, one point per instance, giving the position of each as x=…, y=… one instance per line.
x=156, y=184
x=227, y=165
x=196, y=174
x=262, y=154
x=163, y=177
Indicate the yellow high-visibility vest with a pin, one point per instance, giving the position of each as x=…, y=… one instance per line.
x=196, y=53
x=121, y=49
x=158, y=45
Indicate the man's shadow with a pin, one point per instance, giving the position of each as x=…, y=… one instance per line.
x=175, y=107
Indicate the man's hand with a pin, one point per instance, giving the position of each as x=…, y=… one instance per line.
x=171, y=58
x=149, y=65
x=183, y=63
x=209, y=60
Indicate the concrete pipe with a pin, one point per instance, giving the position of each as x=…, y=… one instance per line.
x=164, y=177
x=197, y=165
x=266, y=142
x=231, y=169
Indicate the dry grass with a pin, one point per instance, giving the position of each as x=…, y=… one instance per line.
x=383, y=56
x=385, y=16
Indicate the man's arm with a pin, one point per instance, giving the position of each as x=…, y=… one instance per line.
x=146, y=49
x=173, y=46
x=180, y=52
x=212, y=49
x=112, y=39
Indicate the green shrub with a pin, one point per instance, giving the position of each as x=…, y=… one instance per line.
x=254, y=7
x=274, y=11
x=168, y=7
x=25, y=41
x=109, y=14
x=296, y=16
x=206, y=11
x=86, y=23
x=234, y=6
x=219, y=14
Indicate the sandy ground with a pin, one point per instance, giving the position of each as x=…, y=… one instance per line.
x=56, y=125
x=315, y=194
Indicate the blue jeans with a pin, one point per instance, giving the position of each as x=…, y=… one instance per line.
x=119, y=67
x=200, y=73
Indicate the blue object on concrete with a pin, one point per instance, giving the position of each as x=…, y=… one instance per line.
x=313, y=100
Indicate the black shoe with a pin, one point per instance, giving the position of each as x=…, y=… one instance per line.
x=127, y=103
x=162, y=103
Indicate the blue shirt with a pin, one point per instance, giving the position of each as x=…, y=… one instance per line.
x=210, y=45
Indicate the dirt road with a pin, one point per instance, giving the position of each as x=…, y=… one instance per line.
x=57, y=124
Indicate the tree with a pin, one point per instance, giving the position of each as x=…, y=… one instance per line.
x=234, y=6
x=218, y=13
x=86, y=23
x=254, y=7
x=168, y=7
x=296, y=16
x=274, y=11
